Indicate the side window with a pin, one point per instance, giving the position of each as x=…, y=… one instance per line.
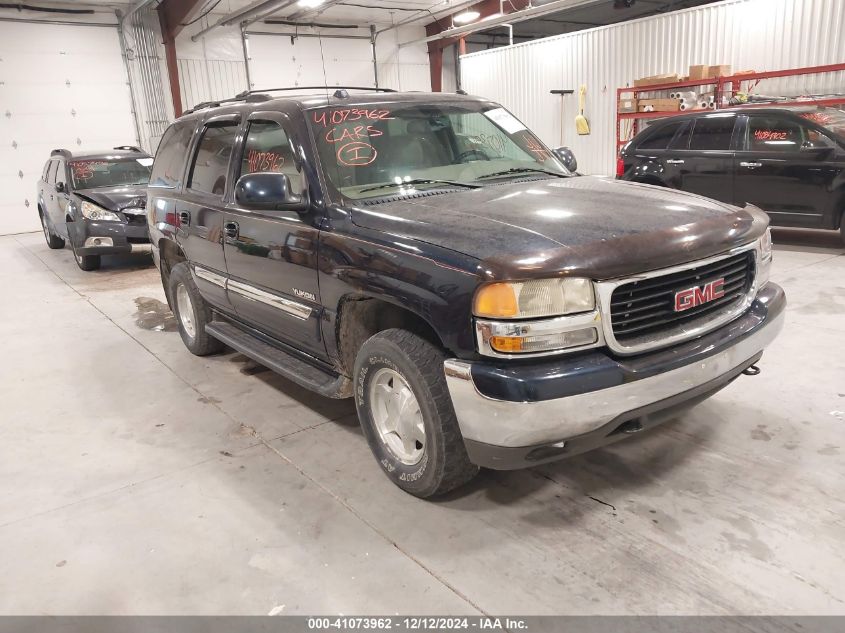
x=267, y=148
x=660, y=138
x=46, y=170
x=211, y=162
x=51, y=172
x=773, y=134
x=170, y=157
x=60, y=173
x=712, y=133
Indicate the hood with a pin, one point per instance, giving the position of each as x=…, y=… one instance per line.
x=123, y=198
x=579, y=226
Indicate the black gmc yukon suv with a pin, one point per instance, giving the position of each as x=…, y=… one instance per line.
x=429, y=256
x=95, y=201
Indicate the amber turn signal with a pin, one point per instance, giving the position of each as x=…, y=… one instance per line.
x=496, y=300
x=507, y=344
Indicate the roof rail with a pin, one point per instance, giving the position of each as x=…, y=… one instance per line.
x=255, y=96
x=129, y=148
x=246, y=93
x=61, y=152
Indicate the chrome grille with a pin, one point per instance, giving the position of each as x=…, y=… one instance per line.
x=646, y=307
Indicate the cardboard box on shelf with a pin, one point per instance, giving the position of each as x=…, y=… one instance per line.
x=722, y=70
x=657, y=79
x=627, y=105
x=698, y=72
x=658, y=105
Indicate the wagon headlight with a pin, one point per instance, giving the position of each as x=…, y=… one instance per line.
x=536, y=298
x=94, y=212
x=555, y=315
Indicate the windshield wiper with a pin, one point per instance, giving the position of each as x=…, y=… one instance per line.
x=420, y=181
x=522, y=170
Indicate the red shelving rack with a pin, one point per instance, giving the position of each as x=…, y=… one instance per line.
x=724, y=89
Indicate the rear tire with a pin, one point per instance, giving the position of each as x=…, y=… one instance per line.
x=191, y=311
x=53, y=241
x=407, y=414
x=85, y=262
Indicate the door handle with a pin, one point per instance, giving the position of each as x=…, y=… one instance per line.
x=672, y=161
x=751, y=165
x=184, y=218
x=231, y=230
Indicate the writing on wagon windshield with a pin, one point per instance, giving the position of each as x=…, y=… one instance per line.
x=363, y=151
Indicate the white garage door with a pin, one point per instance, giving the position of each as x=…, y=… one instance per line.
x=60, y=86
x=276, y=62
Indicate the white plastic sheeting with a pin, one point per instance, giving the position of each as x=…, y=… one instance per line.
x=748, y=34
x=60, y=86
x=212, y=67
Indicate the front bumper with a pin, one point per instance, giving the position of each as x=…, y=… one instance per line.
x=513, y=416
x=115, y=237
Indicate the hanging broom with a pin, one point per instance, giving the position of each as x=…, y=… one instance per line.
x=581, y=124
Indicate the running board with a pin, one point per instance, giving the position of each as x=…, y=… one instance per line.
x=305, y=374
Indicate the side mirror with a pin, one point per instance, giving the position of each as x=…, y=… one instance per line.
x=567, y=157
x=268, y=190
x=60, y=187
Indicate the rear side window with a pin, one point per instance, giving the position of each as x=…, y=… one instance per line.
x=60, y=173
x=51, y=172
x=211, y=163
x=712, y=133
x=661, y=137
x=170, y=158
x=267, y=148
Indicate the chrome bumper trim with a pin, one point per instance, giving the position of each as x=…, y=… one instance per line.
x=518, y=424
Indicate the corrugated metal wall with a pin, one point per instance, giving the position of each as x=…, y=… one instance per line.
x=748, y=34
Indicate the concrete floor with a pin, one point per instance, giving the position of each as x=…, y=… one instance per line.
x=137, y=478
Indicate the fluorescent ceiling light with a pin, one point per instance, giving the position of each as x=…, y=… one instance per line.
x=466, y=17
x=310, y=3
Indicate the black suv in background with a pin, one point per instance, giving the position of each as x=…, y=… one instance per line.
x=427, y=255
x=96, y=202
x=789, y=161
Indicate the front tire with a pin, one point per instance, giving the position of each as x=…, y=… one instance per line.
x=85, y=262
x=192, y=312
x=407, y=414
x=53, y=241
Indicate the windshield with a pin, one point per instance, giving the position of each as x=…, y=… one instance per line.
x=406, y=148
x=830, y=118
x=90, y=174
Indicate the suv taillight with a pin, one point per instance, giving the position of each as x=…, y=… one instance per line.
x=620, y=167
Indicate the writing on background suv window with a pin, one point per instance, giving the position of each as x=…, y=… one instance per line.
x=772, y=134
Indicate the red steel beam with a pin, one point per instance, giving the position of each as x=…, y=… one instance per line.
x=435, y=48
x=171, y=17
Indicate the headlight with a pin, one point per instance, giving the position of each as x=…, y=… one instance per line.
x=765, y=263
x=563, y=311
x=536, y=298
x=766, y=244
x=93, y=212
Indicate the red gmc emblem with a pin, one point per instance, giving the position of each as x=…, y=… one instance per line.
x=697, y=295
